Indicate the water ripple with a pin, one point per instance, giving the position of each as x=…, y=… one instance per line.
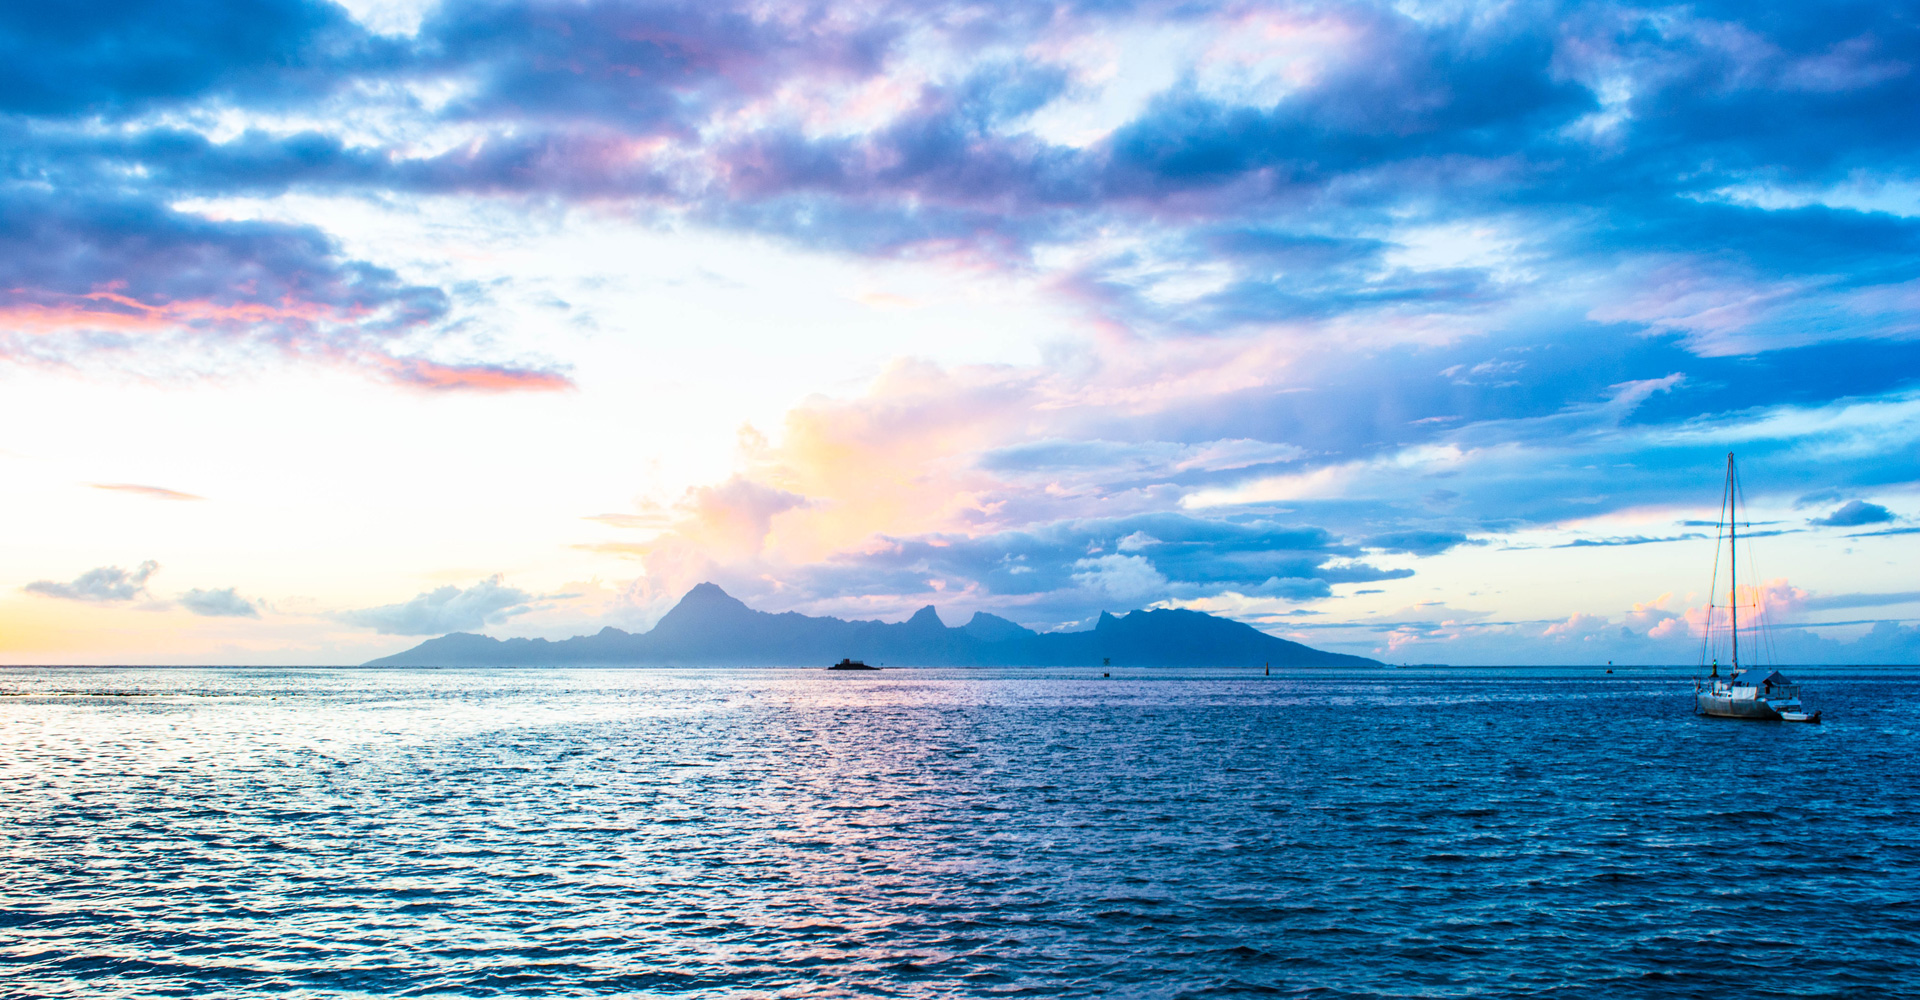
x=949, y=833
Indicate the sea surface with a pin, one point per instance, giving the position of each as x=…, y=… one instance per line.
x=951, y=833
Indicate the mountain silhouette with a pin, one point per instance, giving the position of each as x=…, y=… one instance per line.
x=710, y=627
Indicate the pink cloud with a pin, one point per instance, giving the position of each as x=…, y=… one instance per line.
x=1578, y=625
x=156, y=492
x=51, y=313
x=431, y=375
x=1769, y=603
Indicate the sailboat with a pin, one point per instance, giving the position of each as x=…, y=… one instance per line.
x=1745, y=692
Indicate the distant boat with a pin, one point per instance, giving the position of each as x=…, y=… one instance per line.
x=1746, y=692
x=851, y=665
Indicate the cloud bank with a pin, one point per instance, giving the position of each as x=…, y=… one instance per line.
x=447, y=609
x=1721, y=179
x=1349, y=285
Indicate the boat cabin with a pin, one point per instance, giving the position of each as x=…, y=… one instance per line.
x=1763, y=683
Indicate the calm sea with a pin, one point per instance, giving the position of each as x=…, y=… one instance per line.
x=959, y=833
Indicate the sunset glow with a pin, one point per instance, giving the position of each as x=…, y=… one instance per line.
x=1400, y=330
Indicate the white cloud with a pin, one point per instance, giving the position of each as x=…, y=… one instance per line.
x=1579, y=625
x=101, y=584
x=448, y=609
x=225, y=603
x=1123, y=577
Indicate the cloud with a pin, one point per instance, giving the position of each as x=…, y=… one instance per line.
x=156, y=492
x=656, y=518
x=431, y=375
x=1365, y=172
x=1317, y=261
x=1419, y=543
x=1657, y=618
x=85, y=276
x=1661, y=631
x=113, y=59
x=447, y=609
x=994, y=488
x=104, y=584
x=657, y=69
x=1822, y=602
x=1586, y=639
x=1156, y=459
x=225, y=603
x=1125, y=578
x=1579, y=626
x=1582, y=543
x=126, y=263
x=1853, y=514
x=1049, y=572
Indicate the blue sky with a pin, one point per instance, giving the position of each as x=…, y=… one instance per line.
x=1416, y=330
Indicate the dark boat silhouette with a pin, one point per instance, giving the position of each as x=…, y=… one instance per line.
x=851, y=665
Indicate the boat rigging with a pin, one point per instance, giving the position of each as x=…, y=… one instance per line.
x=1745, y=692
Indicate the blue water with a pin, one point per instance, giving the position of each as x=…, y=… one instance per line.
x=950, y=833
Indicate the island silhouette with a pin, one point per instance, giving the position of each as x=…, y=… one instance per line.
x=710, y=627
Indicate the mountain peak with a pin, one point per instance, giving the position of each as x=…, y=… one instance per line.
x=993, y=628
x=705, y=592
x=927, y=618
x=704, y=607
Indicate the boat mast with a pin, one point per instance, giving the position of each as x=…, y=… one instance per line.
x=1733, y=556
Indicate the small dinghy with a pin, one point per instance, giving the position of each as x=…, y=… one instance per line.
x=1745, y=692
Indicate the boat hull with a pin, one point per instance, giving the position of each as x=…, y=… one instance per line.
x=1721, y=706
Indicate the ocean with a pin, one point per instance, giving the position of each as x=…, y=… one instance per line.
x=784, y=832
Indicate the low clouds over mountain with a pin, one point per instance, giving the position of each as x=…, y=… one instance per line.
x=447, y=609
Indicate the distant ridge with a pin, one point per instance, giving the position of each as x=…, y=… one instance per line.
x=710, y=627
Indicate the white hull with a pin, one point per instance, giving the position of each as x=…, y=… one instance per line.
x=1726, y=701
x=1744, y=693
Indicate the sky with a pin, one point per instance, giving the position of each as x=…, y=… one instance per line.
x=1415, y=330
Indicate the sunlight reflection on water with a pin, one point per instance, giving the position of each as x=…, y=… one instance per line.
x=948, y=833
